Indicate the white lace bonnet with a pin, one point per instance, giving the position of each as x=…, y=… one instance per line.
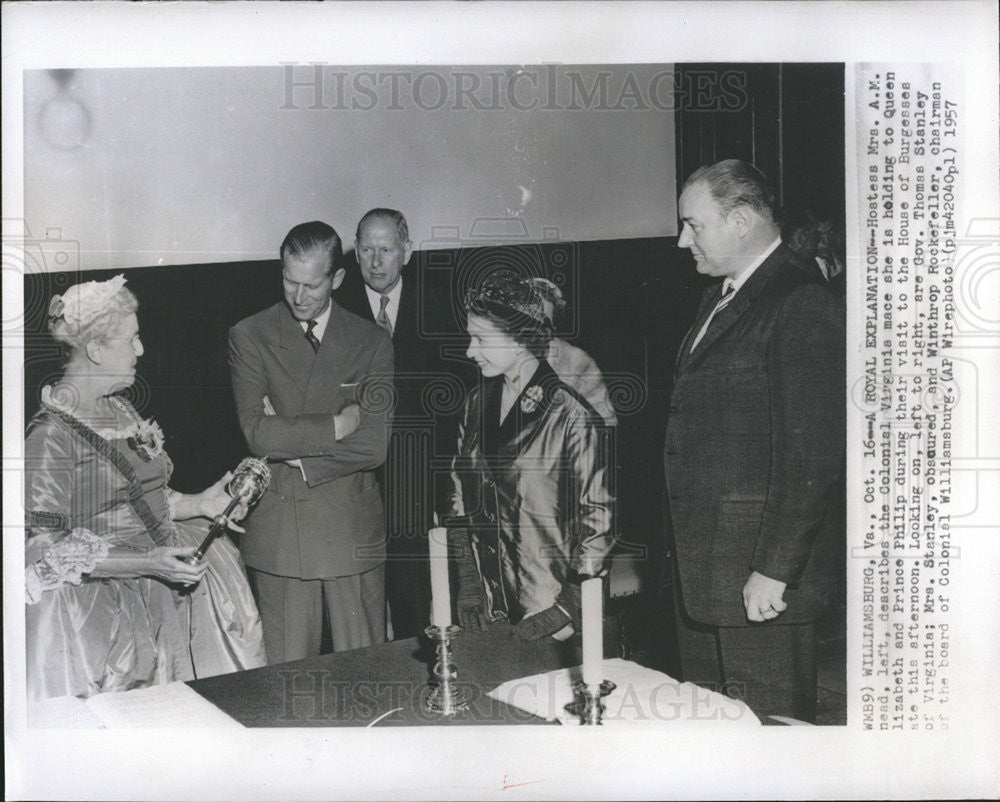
x=81, y=303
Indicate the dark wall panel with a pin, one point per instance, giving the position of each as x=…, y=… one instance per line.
x=632, y=301
x=787, y=119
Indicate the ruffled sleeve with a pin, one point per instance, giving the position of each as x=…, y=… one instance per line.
x=64, y=562
x=55, y=551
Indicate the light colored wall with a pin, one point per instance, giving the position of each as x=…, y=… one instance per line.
x=181, y=166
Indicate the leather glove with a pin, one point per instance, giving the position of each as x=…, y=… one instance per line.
x=569, y=600
x=471, y=608
x=565, y=611
x=539, y=625
x=470, y=599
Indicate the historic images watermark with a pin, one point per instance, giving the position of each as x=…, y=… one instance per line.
x=311, y=696
x=43, y=264
x=320, y=86
x=52, y=259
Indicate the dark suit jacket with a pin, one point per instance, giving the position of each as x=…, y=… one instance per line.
x=332, y=524
x=754, y=450
x=428, y=396
x=416, y=340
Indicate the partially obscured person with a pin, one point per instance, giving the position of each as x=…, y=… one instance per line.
x=388, y=288
x=819, y=241
x=572, y=364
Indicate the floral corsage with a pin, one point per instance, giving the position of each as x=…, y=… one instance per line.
x=531, y=398
x=145, y=438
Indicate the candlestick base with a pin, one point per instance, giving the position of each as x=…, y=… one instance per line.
x=587, y=705
x=445, y=698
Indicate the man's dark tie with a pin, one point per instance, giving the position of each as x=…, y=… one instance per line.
x=313, y=341
x=383, y=315
x=727, y=296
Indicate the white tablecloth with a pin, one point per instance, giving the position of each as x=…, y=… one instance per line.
x=642, y=696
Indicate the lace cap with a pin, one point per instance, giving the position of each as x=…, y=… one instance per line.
x=81, y=303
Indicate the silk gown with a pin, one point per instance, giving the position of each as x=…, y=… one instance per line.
x=88, y=497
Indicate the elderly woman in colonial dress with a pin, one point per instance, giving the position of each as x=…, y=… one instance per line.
x=113, y=602
x=530, y=505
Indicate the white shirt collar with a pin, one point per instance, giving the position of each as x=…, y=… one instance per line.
x=321, y=322
x=392, y=308
x=743, y=277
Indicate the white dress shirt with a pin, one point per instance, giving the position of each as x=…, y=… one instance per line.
x=392, y=308
x=735, y=283
x=320, y=327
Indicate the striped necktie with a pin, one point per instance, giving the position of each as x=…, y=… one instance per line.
x=383, y=315
x=727, y=296
x=313, y=340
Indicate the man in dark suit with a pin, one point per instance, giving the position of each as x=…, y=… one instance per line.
x=310, y=381
x=402, y=302
x=754, y=450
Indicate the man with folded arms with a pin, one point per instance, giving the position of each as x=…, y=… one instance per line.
x=311, y=382
x=389, y=288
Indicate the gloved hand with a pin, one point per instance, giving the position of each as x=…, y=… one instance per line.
x=565, y=611
x=471, y=606
x=540, y=625
x=570, y=601
x=470, y=599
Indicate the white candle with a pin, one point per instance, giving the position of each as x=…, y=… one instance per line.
x=437, y=540
x=592, y=611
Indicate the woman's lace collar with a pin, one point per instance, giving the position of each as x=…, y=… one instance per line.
x=118, y=430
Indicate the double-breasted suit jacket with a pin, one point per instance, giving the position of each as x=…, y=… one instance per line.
x=419, y=429
x=754, y=453
x=330, y=524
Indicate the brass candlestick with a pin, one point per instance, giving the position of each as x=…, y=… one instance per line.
x=588, y=705
x=445, y=698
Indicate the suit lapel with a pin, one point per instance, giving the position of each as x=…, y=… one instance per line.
x=332, y=367
x=353, y=297
x=406, y=317
x=736, y=308
x=317, y=375
x=297, y=355
x=709, y=298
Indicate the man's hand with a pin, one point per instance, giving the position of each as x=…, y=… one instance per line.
x=346, y=422
x=762, y=597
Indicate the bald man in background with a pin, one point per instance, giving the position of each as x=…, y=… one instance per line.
x=390, y=291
